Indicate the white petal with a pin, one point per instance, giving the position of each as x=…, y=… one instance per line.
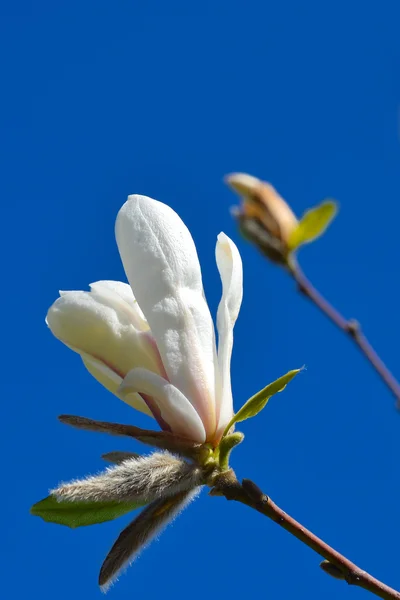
x=112, y=381
x=175, y=408
x=161, y=264
x=99, y=325
x=230, y=269
x=130, y=304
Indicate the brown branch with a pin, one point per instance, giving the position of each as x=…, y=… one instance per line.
x=350, y=327
x=335, y=563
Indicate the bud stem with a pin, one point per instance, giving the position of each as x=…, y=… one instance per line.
x=248, y=493
x=350, y=327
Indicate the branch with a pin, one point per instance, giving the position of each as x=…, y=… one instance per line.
x=335, y=563
x=350, y=327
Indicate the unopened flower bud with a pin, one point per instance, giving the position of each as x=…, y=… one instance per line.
x=264, y=216
x=142, y=479
x=140, y=532
x=332, y=569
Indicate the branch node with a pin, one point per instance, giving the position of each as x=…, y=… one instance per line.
x=254, y=492
x=337, y=565
x=226, y=484
x=353, y=327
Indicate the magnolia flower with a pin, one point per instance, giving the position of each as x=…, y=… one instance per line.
x=152, y=342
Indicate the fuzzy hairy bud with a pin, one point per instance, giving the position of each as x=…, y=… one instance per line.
x=118, y=457
x=142, y=479
x=140, y=533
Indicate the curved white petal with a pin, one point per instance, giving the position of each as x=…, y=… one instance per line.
x=98, y=325
x=129, y=303
x=160, y=261
x=230, y=269
x=175, y=408
x=112, y=381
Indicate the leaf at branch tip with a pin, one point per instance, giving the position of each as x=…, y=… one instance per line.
x=255, y=404
x=80, y=514
x=313, y=224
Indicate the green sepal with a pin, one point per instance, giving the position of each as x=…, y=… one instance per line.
x=80, y=514
x=255, y=404
x=312, y=224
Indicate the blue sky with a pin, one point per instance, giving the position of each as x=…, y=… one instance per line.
x=105, y=99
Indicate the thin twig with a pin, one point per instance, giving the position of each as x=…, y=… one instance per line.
x=350, y=327
x=248, y=493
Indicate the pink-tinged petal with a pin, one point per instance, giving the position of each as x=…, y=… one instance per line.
x=111, y=381
x=161, y=264
x=230, y=269
x=174, y=407
x=99, y=324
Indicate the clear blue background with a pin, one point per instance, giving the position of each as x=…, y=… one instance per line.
x=102, y=99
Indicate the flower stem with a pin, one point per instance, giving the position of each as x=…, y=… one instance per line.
x=248, y=493
x=350, y=327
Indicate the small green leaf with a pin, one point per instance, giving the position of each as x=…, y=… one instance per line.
x=312, y=224
x=80, y=514
x=253, y=406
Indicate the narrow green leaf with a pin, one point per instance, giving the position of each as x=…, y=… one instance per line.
x=80, y=514
x=312, y=224
x=253, y=406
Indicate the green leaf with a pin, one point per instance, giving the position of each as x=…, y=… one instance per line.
x=255, y=404
x=80, y=514
x=313, y=224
